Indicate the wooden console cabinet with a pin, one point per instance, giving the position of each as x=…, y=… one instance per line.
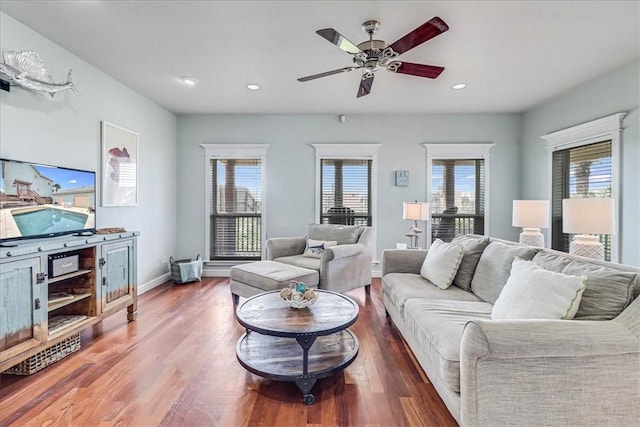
x=39, y=309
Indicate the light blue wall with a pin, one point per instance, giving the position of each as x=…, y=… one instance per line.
x=291, y=164
x=615, y=92
x=65, y=131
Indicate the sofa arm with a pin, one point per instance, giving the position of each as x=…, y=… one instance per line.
x=285, y=246
x=342, y=251
x=402, y=260
x=548, y=372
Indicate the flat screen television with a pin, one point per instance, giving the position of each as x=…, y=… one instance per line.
x=38, y=200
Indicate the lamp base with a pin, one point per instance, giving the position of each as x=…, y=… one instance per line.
x=532, y=237
x=587, y=246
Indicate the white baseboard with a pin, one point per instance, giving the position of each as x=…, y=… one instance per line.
x=145, y=287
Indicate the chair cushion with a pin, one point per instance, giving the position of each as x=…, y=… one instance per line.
x=437, y=325
x=441, y=263
x=343, y=234
x=473, y=246
x=532, y=292
x=608, y=290
x=400, y=287
x=494, y=267
x=300, y=261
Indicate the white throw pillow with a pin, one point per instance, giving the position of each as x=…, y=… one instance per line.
x=441, y=263
x=532, y=292
x=315, y=248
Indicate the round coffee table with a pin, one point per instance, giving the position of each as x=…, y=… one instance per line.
x=298, y=345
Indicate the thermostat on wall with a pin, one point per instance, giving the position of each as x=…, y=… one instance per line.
x=402, y=178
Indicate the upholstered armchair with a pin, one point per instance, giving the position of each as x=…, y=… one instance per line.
x=341, y=254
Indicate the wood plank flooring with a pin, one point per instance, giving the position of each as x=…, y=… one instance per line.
x=176, y=366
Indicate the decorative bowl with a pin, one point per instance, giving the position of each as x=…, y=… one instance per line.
x=298, y=295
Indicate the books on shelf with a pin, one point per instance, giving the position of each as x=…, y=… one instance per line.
x=59, y=296
x=58, y=323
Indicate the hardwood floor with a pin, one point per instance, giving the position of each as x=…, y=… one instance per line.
x=176, y=365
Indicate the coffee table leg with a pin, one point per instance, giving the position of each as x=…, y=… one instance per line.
x=304, y=382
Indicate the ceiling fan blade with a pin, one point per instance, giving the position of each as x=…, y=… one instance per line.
x=339, y=40
x=420, y=70
x=326, y=73
x=434, y=27
x=365, y=85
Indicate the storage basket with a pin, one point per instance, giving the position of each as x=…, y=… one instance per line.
x=195, y=270
x=46, y=357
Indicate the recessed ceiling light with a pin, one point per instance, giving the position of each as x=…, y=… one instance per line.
x=459, y=86
x=253, y=86
x=189, y=81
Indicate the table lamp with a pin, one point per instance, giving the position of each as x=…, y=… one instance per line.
x=588, y=217
x=415, y=211
x=531, y=215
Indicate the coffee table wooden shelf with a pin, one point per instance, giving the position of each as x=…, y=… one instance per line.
x=298, y=345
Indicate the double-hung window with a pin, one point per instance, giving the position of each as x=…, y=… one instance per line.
x=345, y=183
x=235, y=196
x=584, y=163
x=457, y=185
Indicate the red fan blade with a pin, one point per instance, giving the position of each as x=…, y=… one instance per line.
x=339, y=40
x=326, y=73
x=420, y=70
x=426, y=31
x=365, y=85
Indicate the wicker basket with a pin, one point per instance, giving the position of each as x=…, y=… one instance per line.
x=46, y=357
x=175, y=269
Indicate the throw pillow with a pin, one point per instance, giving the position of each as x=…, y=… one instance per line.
x=532, y=292
x=494, y=267
x=441, y=263
x=315, y=248
x=472, y=247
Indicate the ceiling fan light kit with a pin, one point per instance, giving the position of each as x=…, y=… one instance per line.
x=372, y=54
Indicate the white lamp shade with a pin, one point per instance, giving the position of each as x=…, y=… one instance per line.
x=591, y=215
x=531, y=213
x=417, y=211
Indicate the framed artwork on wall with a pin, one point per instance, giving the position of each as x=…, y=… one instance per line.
x=119, y=163
x=402, y=178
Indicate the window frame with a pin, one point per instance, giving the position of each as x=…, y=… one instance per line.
x=234, y=151
x=599, y=130
x=462, y=151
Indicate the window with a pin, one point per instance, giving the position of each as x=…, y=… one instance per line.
x=345, y=183
x=235, y=201
x=345, y=194
x=457, y=198
x=584, y=162
x=457, y=186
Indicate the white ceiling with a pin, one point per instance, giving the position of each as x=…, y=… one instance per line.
x=512, y=54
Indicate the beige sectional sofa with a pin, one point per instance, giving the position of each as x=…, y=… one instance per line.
x=584, y=371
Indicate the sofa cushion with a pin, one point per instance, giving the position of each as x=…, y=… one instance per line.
x=473, y=246
x=315, y=248
x=441, y=263
x=494, y=267
x=608, y=290
x=400, y=287
x=532, y=292
x=343, y=234
x=437, y=325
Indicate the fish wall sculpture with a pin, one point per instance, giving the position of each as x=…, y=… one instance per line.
x=26, y=69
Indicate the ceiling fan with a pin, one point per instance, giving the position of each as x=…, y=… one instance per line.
x=373, y=54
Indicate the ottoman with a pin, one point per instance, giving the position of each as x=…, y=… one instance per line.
x=251, y=279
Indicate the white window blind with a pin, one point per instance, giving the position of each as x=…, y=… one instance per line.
x=236, y=205
x=345, y=196
x=583, y=171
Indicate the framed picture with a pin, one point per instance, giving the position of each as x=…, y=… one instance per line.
x=402, y=178
x=119, y=166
